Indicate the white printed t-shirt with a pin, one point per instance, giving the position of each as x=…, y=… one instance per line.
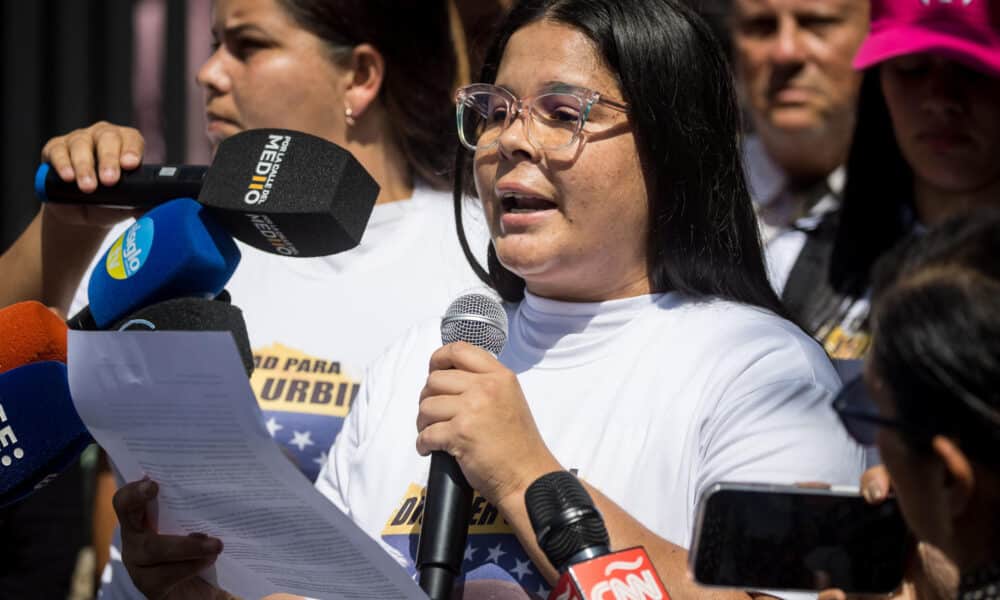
x=650, y=399
x=316, y=323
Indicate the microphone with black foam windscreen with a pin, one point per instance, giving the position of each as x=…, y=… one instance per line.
x=194, y=314
x=172, y=251
x=278, y=190
x=478, y=319
x=571, y=532
x=40, y=430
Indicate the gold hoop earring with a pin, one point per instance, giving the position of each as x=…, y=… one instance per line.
x=349, y=115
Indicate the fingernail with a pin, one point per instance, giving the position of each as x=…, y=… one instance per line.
x=67, y=173
x=212, y=545
x=130, y=157
x=198, y=535
x=872, y=492
x=108, y=172
x=87, y=180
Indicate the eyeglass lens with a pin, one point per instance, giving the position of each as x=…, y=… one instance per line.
x=555, y=119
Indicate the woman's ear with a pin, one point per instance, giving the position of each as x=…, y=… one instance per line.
x=367, y=67
x=959, y=475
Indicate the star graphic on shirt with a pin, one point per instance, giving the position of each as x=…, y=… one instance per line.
x=469, y=552
x=321, y=459
x=542, y=591
x=521, y=568
x=495, y=554
x=273, y=427
x=301, y=440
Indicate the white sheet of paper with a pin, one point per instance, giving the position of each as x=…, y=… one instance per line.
x=177, y=406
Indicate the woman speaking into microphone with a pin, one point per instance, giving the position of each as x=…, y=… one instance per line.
x=646, y=350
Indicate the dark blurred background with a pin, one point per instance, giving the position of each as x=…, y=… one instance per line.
x=69, y=63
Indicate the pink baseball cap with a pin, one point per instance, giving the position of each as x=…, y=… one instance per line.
x=967, y=31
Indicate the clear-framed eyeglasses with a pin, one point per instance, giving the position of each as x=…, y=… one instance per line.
x=554, y=120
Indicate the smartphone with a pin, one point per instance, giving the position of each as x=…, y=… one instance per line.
x=775, y=537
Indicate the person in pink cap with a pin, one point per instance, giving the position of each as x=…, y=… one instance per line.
x=925, y=153
x=925, y=148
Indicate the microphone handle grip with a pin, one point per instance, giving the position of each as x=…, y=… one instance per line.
x=445, y=528
x=143, y=187
x=83, y=320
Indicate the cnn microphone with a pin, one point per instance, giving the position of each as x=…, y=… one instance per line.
x=572, y=534
x=480, y=320
x=278, y=190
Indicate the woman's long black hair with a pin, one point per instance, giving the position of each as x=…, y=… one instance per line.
x=703, y=239
x=877, y=209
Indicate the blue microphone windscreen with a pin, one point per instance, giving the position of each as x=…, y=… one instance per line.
x=175, y=250
x=40, y=430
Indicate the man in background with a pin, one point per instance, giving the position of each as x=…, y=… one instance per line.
x=793, y=68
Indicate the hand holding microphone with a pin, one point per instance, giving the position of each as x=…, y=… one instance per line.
x=281, y=191
x=472, y=415
x=72, y=158
x=472, y=408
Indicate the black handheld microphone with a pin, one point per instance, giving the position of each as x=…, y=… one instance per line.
x=571, y=533
x=278, y=190
x=143, y=187
x=194, y=314
x=480, y=320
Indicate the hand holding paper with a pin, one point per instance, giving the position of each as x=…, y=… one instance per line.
x=162, y=564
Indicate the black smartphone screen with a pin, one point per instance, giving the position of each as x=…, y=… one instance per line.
x=808, y=540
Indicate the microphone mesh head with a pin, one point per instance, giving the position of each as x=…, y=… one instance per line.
x=564, y=517
x=477, y=319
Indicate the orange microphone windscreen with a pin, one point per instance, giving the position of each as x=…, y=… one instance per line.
x=30, y=332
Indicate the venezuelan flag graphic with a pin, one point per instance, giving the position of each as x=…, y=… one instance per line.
x=304, y=400
x=494, y=559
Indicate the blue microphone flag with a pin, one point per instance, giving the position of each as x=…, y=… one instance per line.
x=175, y=250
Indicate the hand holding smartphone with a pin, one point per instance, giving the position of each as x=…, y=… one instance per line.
x=761, y=536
